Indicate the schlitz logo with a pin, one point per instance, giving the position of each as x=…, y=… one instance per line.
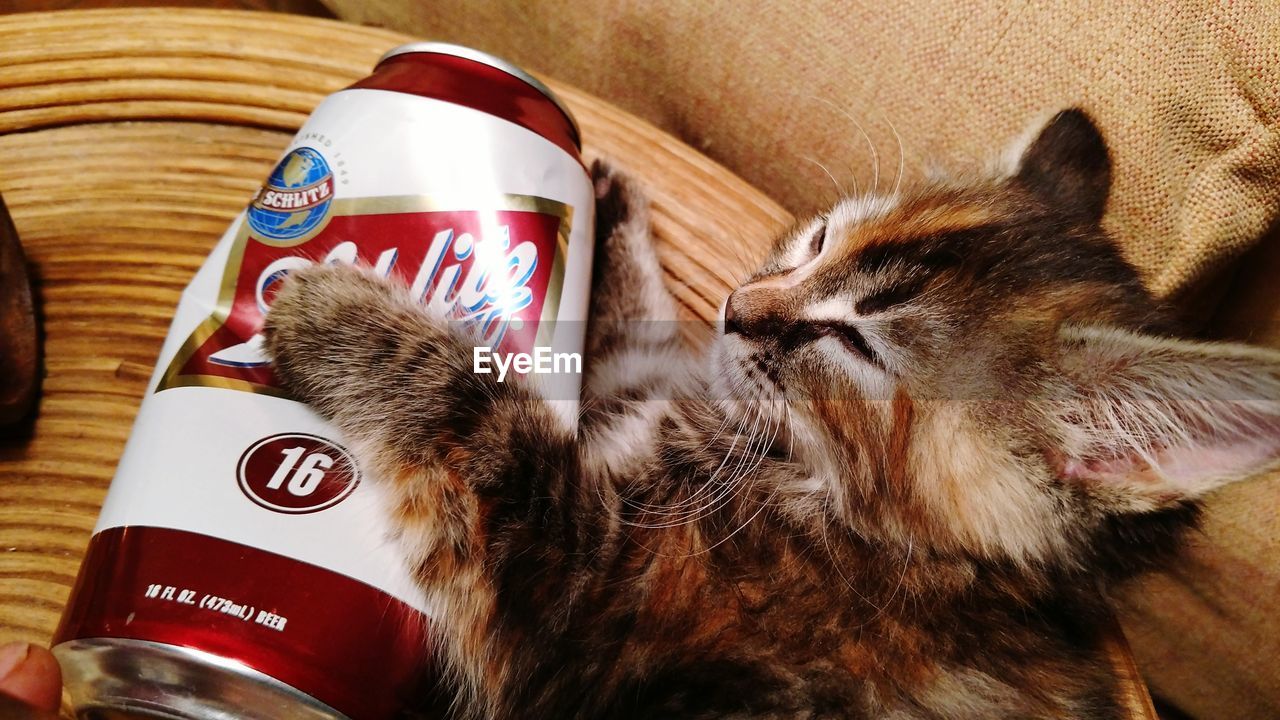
x=496, y=266
x=295, y=199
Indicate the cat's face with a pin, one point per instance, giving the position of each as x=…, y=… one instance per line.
x=941, y=363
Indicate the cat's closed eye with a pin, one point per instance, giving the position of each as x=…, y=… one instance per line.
x=889, y=298
x=853, y=340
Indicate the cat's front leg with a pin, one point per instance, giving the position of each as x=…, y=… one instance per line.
x=636, y=359
x=630, y=306
x=482, y=474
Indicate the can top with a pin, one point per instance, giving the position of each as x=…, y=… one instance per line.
x=443, y=48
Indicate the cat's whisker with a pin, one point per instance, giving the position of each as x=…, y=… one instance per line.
x=707, y=487
x=784, y=413
x=744, y=471
x=906, y=564
x=763, y=452
x=760, y=416
x=719, y=431
x=696, y=512
x=831, y=554
x=744, y=261
x=790, y=430
x=731, y=488
x=839, y=188
x=763, y=504
x=741, y=267
x=871, y=146
x=902, y=153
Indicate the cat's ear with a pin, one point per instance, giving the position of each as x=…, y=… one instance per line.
x=1144, y=423
x=1067, y=165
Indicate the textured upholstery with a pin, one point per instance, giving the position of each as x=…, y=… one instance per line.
x=1187, y=93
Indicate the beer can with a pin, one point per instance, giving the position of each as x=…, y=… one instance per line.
x=242, y=566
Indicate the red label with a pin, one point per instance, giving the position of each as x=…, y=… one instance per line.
x=496, y=271
x=351, y=646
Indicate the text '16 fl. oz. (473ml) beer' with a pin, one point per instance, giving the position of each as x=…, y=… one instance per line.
x=242, y=566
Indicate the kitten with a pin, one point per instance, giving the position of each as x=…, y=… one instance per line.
x=931, y=427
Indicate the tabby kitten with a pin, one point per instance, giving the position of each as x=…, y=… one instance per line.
x=931, y=427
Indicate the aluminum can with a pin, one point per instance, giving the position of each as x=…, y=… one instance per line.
x=241, y=566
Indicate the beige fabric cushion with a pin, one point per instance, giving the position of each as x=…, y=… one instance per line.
x=1187, y=93
x=1208, y=634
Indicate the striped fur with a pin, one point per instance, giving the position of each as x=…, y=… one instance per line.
x=935, y=426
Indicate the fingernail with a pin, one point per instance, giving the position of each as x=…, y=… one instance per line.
x=11, y=656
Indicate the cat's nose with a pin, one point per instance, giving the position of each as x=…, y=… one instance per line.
x=752, y=313
x=731, y=325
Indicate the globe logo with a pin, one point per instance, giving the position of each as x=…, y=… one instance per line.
x=295, y=199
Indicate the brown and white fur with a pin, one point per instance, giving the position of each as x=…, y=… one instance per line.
x=933, y=428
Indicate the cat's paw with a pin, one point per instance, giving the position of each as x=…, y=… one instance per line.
x=320, y=317
x=627, y=281
x=313, y=301
x=621, y=209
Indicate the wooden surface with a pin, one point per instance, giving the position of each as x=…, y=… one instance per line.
x=128, y=141
x=301, y=7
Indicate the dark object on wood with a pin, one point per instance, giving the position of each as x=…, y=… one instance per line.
x=19, y=344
